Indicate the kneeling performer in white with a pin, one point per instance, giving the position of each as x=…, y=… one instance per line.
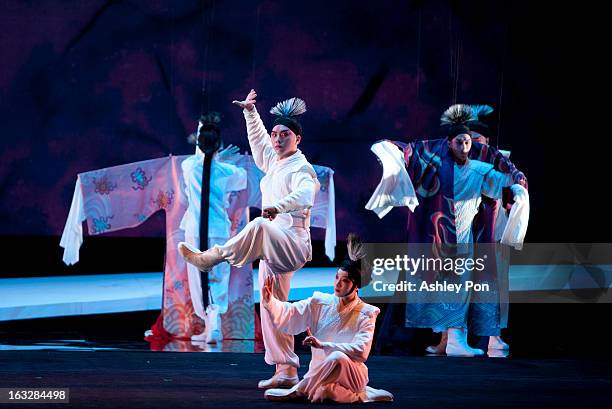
x=281, y=237
x=340, y=328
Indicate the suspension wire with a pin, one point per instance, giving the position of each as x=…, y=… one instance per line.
x=207, y=27
x=501, y=79
x=455, y=46
x=418, y=64
x=458, y=61
x=255, y=42
x=451, y=55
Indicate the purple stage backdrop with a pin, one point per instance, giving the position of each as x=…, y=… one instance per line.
x=90, y=84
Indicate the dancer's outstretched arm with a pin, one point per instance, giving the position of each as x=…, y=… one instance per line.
x=291, y=318
x=259, y=139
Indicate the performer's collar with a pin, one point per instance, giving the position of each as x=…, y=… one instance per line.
x=348, y=304
x=465, y=163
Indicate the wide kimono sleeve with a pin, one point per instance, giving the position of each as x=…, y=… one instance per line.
x=304, y=186
x=237, y=180
x=359, y=348
x=494, y=182
x=516, y=226
x=290, y=317
x=518, y=219
x=121, y=197
x=323, y=214
x=259, y=140
x=500, y=162
x=395, y=187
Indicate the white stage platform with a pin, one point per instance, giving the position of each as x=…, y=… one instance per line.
x=42, y=297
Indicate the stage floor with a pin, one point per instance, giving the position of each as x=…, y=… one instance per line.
x=121, y=379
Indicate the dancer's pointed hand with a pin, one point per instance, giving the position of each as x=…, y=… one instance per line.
x=249, y=101
x=269, y=213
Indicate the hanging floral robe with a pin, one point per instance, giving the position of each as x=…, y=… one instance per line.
x=125, y=196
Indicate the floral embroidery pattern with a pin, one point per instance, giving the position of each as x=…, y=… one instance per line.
x=101, y=224
x=163, y=199
x=323, y=176
x=104, y=186
x=140, y=178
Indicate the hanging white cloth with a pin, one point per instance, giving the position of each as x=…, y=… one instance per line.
x=395, y=187
x=516, y=227
x=330, y=229
x=72, y=236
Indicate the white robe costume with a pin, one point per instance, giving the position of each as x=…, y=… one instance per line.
x=337, y=371
x=283, y=244
x=225, y=178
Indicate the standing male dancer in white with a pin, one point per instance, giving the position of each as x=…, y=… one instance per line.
x=281, y=237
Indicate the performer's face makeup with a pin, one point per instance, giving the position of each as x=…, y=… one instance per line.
x=342, y=284
x=460, y=146
x=284, y=141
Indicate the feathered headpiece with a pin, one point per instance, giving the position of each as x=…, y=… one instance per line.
x=482, y=124
x=458, y=114
x=481, y=111
x=286, y=113
x=355, y=264
x=457, y=119
x=210, y=118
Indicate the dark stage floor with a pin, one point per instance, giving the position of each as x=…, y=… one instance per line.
x=137, y=379
x=106, y=364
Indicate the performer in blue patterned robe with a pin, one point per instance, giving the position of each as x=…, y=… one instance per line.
x=448, y=177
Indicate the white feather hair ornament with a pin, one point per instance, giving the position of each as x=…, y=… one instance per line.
x=458, y=114
x=355, y=248
x=289, y=107
x=193, y=138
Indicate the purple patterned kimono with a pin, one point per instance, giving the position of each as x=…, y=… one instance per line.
x=430, y=166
